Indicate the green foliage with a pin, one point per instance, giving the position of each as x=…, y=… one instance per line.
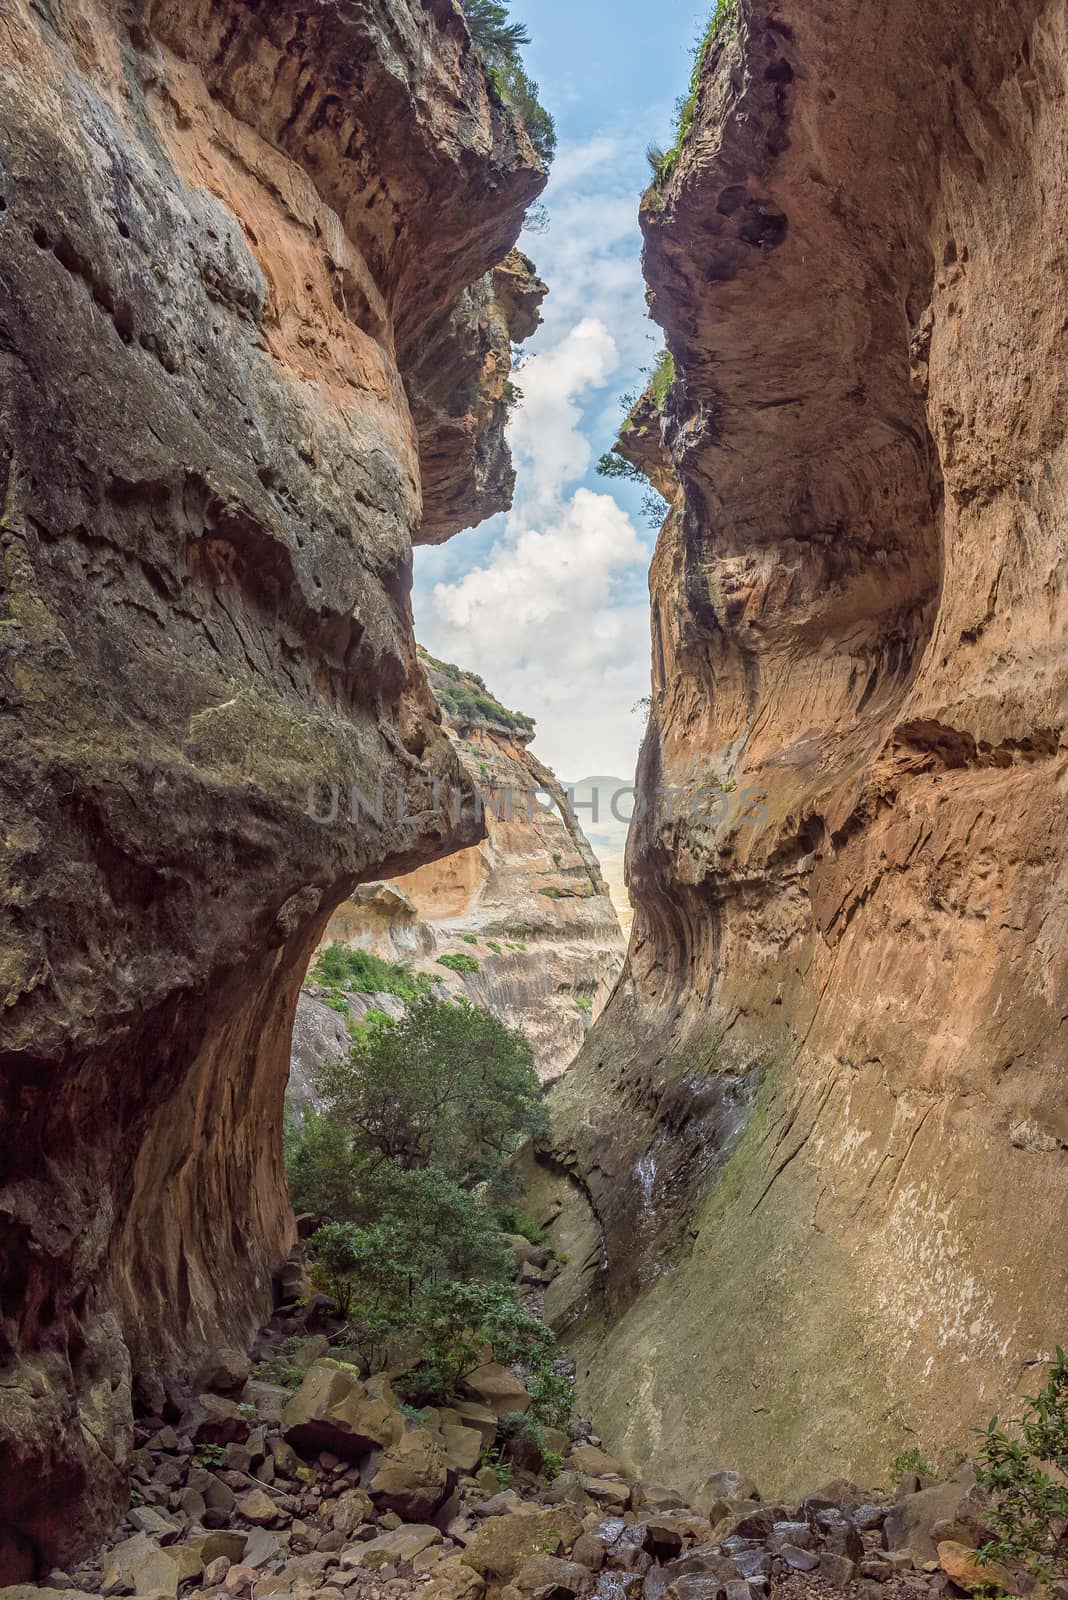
x=584, y=1003
x=447, y=1085
x=469, y=938
x=458, y=1320
x=459, y=963
x=422, y=1231
x=551, y=894
x=211, y=1455
x=910, y=1461
x=724, y=17
x=663, y=378
x=362, y=973
x=512, y=1219
x=467, y=700
x=514, y=944
x=324, y=1168
x=499, y=42
x=283, y=1374
x=491, y=944
x=613, y=465
x=1028, y=1480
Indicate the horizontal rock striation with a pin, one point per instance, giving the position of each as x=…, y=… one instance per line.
x=242, y=248
x=528, y=905
x=814, y=1159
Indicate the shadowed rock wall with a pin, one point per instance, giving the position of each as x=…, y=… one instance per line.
x=814, y=1158
x=250, y=347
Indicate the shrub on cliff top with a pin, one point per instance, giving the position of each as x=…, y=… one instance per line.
x=499, y=43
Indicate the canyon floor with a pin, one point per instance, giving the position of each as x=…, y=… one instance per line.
x=285, y=1473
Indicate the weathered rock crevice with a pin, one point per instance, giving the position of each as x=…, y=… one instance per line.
x=858, y=610
x=244, y=250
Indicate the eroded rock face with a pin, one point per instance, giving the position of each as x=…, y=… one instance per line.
x=858, y=607
x=528, y=905
x=241, y=249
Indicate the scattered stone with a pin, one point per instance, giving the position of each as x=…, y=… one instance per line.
x=146, y=1519
x=724, y=1486
x=550, y=1578
x=969, y=1573
x=311, y=1350
x=608, y=1492
x=333, y=1411
x=138, y=1566
x=413, y=1476
x=472, y=1414
x=239, y=1581
x=837, y=1568
x=215, y=1572
x=503, y=1544
x=497, y=1389
x=212, y=1419
x=594, y=1463
x=799, y=1560
x=224, y=1372
x=453, y=1579
x=910, y=1520
x=463, y=1446
x=258, y=1508
x=402, y=1544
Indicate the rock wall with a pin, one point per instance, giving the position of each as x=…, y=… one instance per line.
x=250, y=346
x=528, y=904
x=814, y=1159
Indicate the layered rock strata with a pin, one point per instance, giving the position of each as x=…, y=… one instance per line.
x=814, y=1159
x=250, y=348
x=527, y=907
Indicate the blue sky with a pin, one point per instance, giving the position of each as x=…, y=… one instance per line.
x=549, y=603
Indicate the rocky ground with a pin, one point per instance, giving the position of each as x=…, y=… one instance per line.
x=290, y=1474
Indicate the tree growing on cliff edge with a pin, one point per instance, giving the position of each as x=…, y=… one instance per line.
x=499, y=42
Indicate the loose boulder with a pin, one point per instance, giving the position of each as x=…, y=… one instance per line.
x=333, y=1411
x=910, y=1520
x=503, y=1545
x=413, y=1476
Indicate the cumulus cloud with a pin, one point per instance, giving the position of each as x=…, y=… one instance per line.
x=553, y=614
x=546, y=436
x=545, y=620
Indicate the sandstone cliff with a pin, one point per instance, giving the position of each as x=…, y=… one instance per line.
x=528, y=905
x=251, y=346
x=816, y=1152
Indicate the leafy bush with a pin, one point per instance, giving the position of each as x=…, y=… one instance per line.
x=584, y=1003
x=724, y=16
x=491, y=944
x=458, y=1320
x=1028, y=1479
x=339, y=965
x=469, y=938
x=459, y=963
x=467, y=700
x=511, y=1219
x=447, y=1085
x=910, y=1461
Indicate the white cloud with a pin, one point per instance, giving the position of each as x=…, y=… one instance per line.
x=554, y=615
x=543, y=623
x=545, y=435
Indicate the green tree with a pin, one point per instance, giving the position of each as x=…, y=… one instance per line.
x=1027, y=1477
x=458, y=1320
x=499, y=42
x=447, y=1085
